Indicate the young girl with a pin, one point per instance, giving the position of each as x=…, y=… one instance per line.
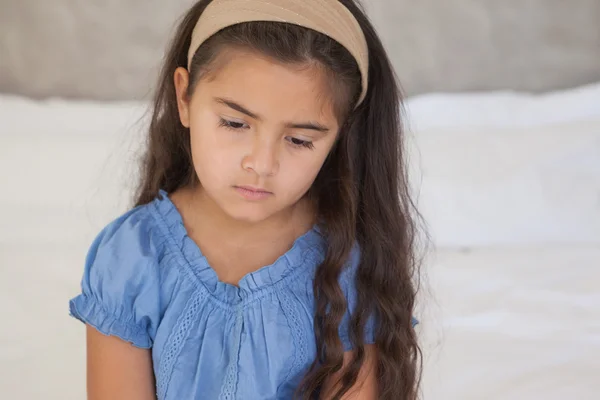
x=270, y=253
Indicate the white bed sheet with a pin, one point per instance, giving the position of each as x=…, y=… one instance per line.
x=513, y=324
x=513, y=316
x=499, y=324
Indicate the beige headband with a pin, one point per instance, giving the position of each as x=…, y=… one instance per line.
x=329, y=17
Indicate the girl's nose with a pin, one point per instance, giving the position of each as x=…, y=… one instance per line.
x=263, y=159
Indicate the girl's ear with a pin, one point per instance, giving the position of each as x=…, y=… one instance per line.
x=182, y=80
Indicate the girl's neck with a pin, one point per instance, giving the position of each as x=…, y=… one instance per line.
x=202, y=216
x=236, y=248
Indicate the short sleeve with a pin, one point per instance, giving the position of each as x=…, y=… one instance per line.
x=120, y=286
x=348, y=285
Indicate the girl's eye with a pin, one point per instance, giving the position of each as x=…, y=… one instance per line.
x=301, y=143
x=232, y=124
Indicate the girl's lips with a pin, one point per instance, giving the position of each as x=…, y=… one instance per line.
x=251, y=193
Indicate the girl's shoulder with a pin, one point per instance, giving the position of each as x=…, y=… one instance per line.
x=145, y=234
x=140, y=234
x=127, y=271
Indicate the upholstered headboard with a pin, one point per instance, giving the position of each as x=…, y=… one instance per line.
x=111, y=49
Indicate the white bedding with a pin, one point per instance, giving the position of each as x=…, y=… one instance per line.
x=501, y=324
x=509, y=184
x=513, y=324
x=508, y=168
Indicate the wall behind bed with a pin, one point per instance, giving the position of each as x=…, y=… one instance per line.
x=110, y=49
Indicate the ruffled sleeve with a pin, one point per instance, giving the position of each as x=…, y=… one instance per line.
x=348, y=285
x=120, y=289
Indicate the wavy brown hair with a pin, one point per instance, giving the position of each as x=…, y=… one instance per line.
x=361, y=192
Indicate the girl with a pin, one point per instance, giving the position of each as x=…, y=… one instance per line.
x=270, y=253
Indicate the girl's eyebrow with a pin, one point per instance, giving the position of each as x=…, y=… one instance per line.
x=315, y=126
x=233, y=105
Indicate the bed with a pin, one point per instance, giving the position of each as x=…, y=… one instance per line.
x=503, y=130
x=508, y=182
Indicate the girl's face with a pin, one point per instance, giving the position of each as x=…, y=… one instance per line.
x=260, y=132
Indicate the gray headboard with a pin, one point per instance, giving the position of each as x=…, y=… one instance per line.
x=111, y=49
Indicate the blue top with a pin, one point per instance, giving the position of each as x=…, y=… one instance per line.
x=147, y=282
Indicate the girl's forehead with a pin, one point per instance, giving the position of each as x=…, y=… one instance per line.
x=270, y=86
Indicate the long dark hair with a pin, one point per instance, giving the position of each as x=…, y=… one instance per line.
x=361, y=193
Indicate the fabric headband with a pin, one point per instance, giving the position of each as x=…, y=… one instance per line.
x=329, y=17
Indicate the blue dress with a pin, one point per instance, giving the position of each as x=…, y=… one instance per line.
x=146, y=282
